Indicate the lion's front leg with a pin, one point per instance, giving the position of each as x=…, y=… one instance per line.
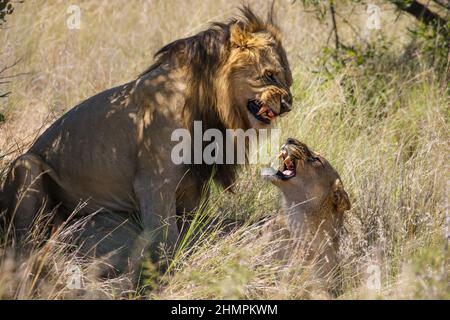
x=189, y=196
x=158, y=213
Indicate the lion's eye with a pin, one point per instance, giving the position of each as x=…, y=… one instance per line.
x=269, y=75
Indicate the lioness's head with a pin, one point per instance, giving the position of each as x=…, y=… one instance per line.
x=314, y=200
x=308, y=180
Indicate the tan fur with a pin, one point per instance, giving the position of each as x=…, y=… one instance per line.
x=113, y=150
x=313, y=205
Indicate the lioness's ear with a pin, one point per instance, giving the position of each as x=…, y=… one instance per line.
x=340, y=197
x=239, y=37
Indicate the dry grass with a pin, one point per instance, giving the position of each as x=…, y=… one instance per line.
x=385, y=129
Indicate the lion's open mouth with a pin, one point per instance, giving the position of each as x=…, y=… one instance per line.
x=261, y=111
x=287, y=169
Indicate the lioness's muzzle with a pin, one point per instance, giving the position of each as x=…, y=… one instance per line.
x=287, y=169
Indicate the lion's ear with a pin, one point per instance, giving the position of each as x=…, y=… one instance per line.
x=239, y=38
x=340, y=197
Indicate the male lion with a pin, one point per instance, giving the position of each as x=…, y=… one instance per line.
x=113, y=150
x=314, y=201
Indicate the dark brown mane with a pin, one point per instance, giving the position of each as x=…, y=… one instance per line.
x=203, y=55
x=203, y=51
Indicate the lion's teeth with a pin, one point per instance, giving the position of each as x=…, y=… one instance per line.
x=262, y=110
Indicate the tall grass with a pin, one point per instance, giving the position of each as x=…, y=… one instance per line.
x=384, y=128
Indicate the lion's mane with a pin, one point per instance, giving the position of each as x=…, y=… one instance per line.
x=205, y=57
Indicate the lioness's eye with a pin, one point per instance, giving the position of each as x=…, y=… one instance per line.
x=314, y=159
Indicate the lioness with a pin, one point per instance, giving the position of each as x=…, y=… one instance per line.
x=113, y=150
x=314, y=201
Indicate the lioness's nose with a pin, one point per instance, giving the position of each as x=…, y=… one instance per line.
x=290, y=141
x=286, y=104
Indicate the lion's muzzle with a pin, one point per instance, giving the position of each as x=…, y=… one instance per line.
x=286, y=104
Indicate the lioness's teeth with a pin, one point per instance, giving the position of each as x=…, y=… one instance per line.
x=287, y=161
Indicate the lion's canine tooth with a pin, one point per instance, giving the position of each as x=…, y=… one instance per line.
x=263, y=109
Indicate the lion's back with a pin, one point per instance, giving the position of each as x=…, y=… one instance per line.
x=91, y=147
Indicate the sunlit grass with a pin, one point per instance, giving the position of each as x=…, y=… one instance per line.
x=388, y=138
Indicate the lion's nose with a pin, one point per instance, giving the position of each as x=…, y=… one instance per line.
x=286, y=104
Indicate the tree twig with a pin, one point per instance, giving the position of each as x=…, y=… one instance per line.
x=444, y=4
x=333, y=18
x=10, y=66
x=421, y=13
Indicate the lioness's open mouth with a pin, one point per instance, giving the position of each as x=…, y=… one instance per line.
x=261, y=111
x=287, y=169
